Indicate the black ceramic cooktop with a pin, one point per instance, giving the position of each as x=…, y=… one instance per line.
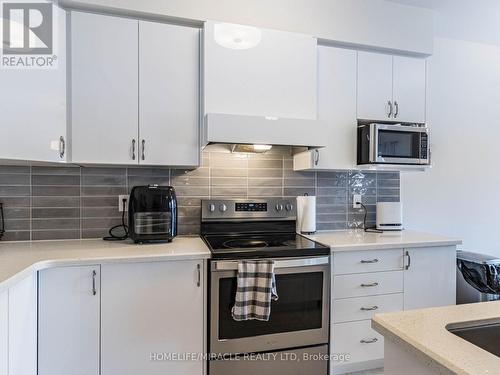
x=263, y=245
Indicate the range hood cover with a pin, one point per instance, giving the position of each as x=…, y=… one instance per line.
x=242, y=129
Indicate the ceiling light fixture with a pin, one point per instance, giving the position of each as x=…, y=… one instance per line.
x=234, y=36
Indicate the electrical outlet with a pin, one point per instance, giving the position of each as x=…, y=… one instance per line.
x=120, y=202
x=356, y=200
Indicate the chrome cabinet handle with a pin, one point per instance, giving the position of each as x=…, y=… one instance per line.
x=94, y=290
x=390, y=108
x=143, y=156
x=364, y=261
x=62, y=147
x=409, y=260
x=369, y=341
x=369, y=285
x=198, y=281
x=396, y=105
x=133, y=149
x=369, y=308
x=316, y=157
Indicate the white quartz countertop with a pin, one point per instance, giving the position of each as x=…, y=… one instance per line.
x=350, y=240
x=19, y=259
x=423, y=334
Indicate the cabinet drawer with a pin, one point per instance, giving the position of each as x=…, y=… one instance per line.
x=361, y=308
x=367, y=261
x=367, y=284
x=359, y=340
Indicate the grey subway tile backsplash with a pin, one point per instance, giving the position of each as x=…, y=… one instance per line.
x=72, y=202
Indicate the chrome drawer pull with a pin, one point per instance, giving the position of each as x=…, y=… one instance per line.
x=367, y=285
x=371, y=341
x=369, y=308
x=369, y=261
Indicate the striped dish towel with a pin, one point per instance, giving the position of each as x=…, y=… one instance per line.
x=255, y=291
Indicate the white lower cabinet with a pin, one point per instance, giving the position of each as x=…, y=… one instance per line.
x=430, y=279
x=68, y=325
x=150, y=310
x=22, y=330
x=360, y=342
x=4, y=332
x=363, y=308
x=377, y=281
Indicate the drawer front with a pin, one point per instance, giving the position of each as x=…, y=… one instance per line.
x=362, y=308
x=367, y=261
x=367, y=284
x=359, y=340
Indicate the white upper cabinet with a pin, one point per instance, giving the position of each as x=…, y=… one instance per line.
x=336, y=112
x=409, y=89
x=168, y=94
x=259, y=72
x=68, y=321
x=391, y=88
x=33, y=107
x=135, y=88
x=374, y=86
x=104, y=81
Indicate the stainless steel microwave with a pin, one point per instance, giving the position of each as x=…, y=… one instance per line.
x=393, y=144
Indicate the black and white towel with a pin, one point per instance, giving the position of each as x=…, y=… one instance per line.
x=255, y=291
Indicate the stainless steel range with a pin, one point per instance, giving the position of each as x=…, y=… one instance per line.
x=298, y=326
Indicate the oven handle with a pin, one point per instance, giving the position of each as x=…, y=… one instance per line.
x=233, y=265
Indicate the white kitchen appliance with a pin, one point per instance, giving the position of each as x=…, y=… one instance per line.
x=389, y=216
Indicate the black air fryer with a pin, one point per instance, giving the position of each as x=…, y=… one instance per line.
x=152, y=214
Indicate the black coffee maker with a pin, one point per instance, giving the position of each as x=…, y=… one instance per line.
x=152, y=214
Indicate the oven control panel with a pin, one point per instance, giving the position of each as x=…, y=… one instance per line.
x=275, y=208
x=251, y=207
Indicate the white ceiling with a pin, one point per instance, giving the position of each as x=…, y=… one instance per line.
x=471, y=20
x=430, y=4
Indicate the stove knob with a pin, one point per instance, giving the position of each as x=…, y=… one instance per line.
x=279, y=207
x=211, y=207
x=289, y=206
x=222, y=208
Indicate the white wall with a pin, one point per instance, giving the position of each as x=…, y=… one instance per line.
x=376, y=23
x=458, y=196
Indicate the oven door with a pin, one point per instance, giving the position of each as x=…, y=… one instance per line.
x=299, y=317
x=398, y=144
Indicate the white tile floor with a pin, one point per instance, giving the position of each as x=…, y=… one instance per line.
x=379, y=371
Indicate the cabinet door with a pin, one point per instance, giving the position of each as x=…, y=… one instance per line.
x=431, y=277
x=337, y=107
x=33, y=107
x=23, y=327
x=104, y=80
x=4, y=332
x=259, y=72
x=374, y=86
x=168, y=94
x=68, y=321
x=149, y=308
x=409, y=89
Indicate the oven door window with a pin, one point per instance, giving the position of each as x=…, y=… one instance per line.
x=298, y=308
x=398, y=144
